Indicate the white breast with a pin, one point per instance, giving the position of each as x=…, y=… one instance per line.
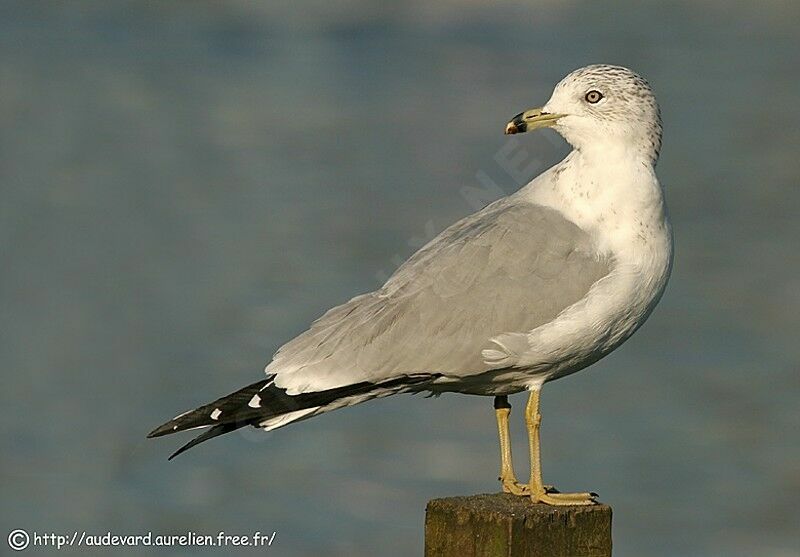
x=621, y=205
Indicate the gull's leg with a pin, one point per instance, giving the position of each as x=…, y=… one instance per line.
x=538, y=491
x=502, y=409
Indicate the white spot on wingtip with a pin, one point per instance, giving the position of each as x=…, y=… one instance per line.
x=216, y=414
x=255, y=402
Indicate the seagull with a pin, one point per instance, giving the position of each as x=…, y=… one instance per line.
x=534, y=287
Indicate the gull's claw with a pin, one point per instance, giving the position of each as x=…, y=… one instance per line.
x=552, y=496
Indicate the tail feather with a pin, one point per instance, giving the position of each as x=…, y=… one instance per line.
x=262, y=404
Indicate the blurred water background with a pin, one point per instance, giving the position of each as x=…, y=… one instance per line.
x=185, y=186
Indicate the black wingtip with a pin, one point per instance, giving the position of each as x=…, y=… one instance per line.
x=160, y=430
x=234, y=411
x=215, y=431
x=201, y=416
x=179, y=451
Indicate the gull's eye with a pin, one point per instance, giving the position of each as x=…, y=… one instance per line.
x=593, y=97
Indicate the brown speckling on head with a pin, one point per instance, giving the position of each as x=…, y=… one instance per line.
x=628, y=98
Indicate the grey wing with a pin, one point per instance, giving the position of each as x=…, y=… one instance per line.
x=508, y=268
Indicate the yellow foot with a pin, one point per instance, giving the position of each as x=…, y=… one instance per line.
x=515, y=488
x=552, y=497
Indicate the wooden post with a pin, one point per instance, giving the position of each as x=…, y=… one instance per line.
x=507, y=525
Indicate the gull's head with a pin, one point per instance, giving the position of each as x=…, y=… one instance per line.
x=600, y=107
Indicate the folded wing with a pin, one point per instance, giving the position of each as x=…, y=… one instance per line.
x=511, y=267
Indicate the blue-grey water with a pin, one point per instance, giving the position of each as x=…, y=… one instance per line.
x=185, y=186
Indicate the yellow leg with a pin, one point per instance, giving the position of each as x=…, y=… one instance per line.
x=502, y=410
x=539, y=493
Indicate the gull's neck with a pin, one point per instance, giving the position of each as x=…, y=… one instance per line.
x=611, y=191
x=629, y=150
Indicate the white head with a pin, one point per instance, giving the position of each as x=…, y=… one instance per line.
x=600, y=106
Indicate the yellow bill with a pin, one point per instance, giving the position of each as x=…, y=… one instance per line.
x=530, y=120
